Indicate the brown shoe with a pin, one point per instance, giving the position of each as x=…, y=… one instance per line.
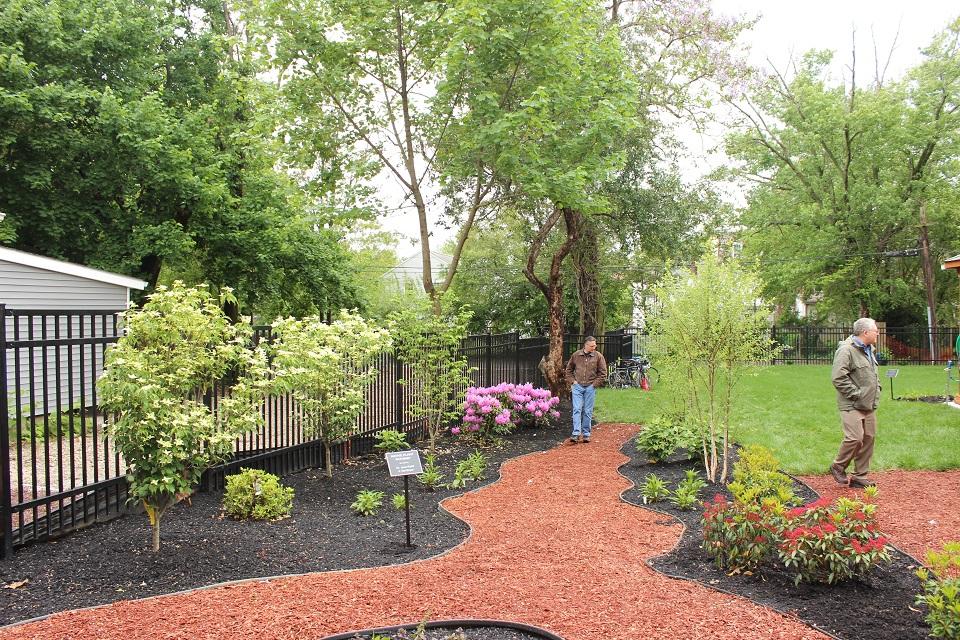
x=838, y=474
x=585, y=439
x=573, y=440
x=857, y=483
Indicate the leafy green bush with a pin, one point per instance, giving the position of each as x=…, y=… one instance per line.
x=256, y=494
x=391, y=440
x=431, y=478
x=664, y=435
x=941, y=592
x=368, y=502
x=688, y=490
x=756, y=476
x=399, y=501
x=654, y=489
x=474, y=466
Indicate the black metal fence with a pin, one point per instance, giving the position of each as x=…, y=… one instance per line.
x=895, y=345
x=61, y=470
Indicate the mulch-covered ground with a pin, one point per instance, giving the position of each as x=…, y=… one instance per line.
x=552, y=545
x=888, y=592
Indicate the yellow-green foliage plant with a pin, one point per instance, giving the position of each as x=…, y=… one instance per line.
x=256, y=494
x=757, y=476
x=941, y=591
x=155, y=379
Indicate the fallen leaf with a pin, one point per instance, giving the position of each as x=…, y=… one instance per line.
x=17, y=584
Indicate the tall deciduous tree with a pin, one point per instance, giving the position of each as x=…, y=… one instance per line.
x=568, y=98
x=846, y=173
x=134, y=139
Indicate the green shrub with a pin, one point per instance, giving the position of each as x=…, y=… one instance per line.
x=391, y=440
x=664, y=435
x=431, y=478
x=688, y=491
x=399, y=501
x=757, y=475
x=476, y=465
x=941, y=592
x=256, y=494
x=368, y=502
x=654, y=489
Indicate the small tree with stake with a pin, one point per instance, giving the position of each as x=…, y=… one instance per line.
x=155, y=380
x=709, y=330
x=429, y=343
x=326, y=368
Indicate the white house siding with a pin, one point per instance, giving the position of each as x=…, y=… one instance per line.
x=34, y=385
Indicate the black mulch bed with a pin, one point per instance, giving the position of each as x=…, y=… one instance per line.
x=878, y=607
x=112, y=561
x=472, y=630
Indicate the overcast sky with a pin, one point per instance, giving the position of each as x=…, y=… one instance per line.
x=792, y=28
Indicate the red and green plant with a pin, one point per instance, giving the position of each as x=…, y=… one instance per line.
x=737, y=535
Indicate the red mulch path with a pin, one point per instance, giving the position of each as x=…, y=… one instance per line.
x=919, y=510
x=552, y=546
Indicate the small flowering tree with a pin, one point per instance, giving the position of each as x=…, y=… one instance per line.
x=155, y=379
x=492, y=411
x=429, y=344
x=327, y=368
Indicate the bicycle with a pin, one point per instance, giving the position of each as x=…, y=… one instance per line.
x=636, y=373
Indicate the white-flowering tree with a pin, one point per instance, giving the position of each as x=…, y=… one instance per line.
x=709, y=330
x=327, y=368
x=155, y=380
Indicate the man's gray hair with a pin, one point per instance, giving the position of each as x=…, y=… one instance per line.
x=863, y=325
x=589, y=339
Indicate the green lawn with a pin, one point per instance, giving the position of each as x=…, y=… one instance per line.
x=792, y=410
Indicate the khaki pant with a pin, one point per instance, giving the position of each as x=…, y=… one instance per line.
x=859, y=432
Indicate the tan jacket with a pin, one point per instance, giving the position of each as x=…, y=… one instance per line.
x=855, y=377
x=586, y=368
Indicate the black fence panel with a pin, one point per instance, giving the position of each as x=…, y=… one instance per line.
x=895, y=345
x=63, y=472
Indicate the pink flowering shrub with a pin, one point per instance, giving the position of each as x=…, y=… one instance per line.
x=493, y=411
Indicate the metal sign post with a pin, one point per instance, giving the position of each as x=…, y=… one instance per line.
x=892, y=373
x=406, y=464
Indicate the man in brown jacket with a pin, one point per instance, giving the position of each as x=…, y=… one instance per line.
x=858, y=394
x=586, y=371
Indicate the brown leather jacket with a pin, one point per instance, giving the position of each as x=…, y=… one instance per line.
x=586, y=368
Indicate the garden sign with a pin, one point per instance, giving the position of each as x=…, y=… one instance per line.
x=406, y=464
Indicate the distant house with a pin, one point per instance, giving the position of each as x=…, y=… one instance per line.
x=56, y=318
x=408, y=274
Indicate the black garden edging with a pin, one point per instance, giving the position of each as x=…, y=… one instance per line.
x=879, y=607
x=479, y=630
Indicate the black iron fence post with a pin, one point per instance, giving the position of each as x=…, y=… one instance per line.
x=6, y=507
x=398, y=392
x=516, y=358
x=488, y=363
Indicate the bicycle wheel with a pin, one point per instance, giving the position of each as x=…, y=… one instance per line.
x=616, y=379
x=653, y=376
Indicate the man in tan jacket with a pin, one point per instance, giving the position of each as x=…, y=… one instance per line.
x=585, y=371
x=858, y=394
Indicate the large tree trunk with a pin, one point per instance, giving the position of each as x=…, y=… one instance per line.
x=552, y=290
x=586, y=258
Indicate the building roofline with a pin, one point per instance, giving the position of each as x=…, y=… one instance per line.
x=68, y=268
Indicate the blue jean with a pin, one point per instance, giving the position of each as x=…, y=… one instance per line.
x=583, y=398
